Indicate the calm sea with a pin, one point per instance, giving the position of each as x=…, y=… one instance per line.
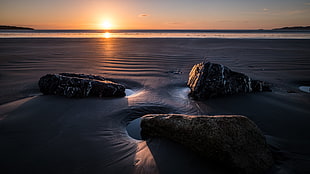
x=242, y=34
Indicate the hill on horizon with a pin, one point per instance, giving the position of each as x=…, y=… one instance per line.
x=6, y=27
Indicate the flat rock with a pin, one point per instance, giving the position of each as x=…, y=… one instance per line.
x=231, y=140
x=79, y=85
x=209, y=80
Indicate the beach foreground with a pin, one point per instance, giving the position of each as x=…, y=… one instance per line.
x=53, y=134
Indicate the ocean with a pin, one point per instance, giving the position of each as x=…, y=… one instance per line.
x=240, y=34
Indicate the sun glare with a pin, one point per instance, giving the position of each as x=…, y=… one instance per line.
x=107, y=35
x=106, y=25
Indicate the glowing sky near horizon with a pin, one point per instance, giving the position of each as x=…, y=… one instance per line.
x=157, y=14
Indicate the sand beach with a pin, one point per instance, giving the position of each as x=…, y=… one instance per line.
x=54, y=134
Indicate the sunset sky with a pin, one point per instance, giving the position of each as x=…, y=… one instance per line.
x=155, y=14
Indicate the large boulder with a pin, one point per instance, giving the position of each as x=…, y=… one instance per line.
x=208, y=80
x=232, y=140
x=79, y=85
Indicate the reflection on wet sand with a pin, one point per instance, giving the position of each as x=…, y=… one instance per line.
x=144, y=160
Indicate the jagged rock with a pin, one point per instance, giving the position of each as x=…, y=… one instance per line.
x=79, y=85
x=208, y=80
x=233, y=141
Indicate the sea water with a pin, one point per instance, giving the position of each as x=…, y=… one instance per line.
x=237, y=34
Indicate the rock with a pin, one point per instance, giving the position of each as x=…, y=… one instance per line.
x=208, y=80
x=233, y=141
x=79, y=85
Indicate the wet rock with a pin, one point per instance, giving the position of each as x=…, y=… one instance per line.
x=79, y=85
x=209, y=80
x=233, y=141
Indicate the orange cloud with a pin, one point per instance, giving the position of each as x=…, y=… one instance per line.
x=144, y=15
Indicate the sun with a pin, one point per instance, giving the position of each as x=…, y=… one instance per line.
x=106, y=25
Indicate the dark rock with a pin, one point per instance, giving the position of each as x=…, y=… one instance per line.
x=233, y=141
x=208, y=80
x=79, y=85
x=291, y=91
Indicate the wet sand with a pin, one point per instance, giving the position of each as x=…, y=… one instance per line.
x=53, y=134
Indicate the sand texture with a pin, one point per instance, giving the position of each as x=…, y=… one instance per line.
x=54, y=134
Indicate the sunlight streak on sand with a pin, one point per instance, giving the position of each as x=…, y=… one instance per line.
x=144, y=160
x=5, y=109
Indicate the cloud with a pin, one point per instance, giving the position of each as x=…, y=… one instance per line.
x=266, y=11
x=143, y=15
x=307, y=3
x=231, y=21
x=225, y=21
x=295, y=12
x=270, y=12
x=174, y=23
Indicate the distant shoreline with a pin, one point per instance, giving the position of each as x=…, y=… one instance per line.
x=293, y=28
x=4, y=27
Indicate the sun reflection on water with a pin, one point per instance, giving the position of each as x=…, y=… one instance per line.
x=106, y=35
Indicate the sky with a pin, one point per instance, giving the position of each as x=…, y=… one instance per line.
x=155, y=14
